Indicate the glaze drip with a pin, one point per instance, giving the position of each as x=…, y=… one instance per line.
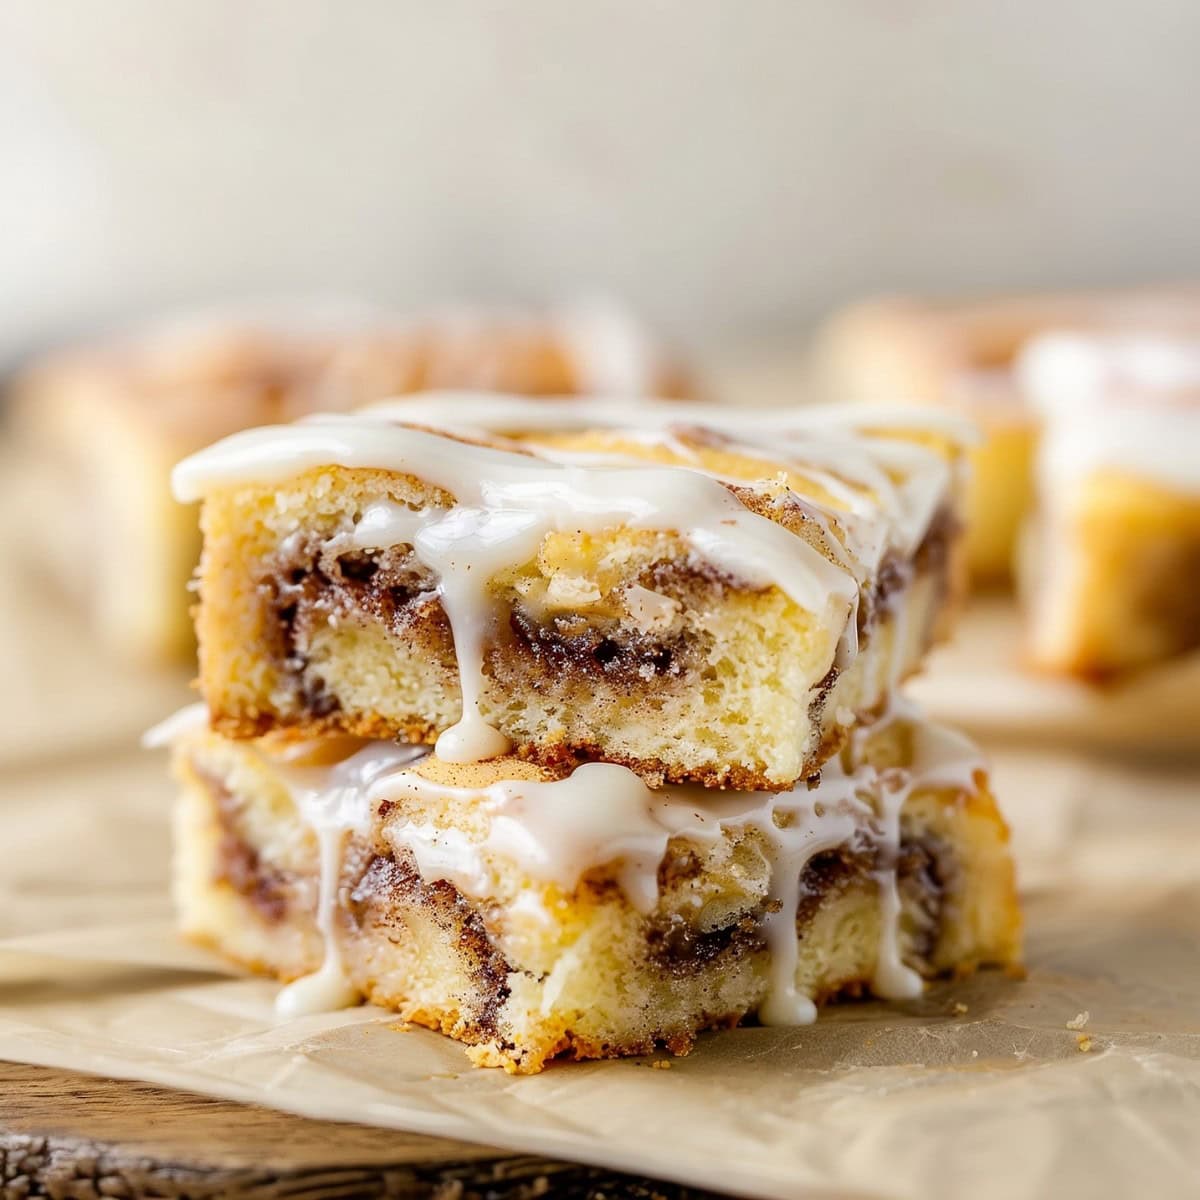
x=333, y=800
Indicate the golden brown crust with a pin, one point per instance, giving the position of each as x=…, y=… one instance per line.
x=554, y=757
x=557, y=758
x=575, y=1047
x=242, y=726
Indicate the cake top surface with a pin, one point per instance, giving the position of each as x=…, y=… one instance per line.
x=865, y=466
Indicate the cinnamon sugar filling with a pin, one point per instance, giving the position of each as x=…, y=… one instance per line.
x=309, y=585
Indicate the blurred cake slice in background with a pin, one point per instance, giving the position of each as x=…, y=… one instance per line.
x=961, y=354
x=1110, y=568
x=533, y=912
x=98, y=427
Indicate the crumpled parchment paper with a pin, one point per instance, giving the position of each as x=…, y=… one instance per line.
x=979, y=1088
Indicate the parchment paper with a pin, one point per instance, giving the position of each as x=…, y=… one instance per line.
x=978, y=682
x=921, y=1100
x=63, y=696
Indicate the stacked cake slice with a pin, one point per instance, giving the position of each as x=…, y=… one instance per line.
x=574, y=728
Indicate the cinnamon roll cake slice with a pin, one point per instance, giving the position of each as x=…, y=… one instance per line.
x=701, y=594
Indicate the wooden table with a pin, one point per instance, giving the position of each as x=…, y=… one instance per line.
x=76, y=1136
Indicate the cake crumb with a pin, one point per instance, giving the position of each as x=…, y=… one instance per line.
x=974, y=1053
x=960, y=1008
x=661, y=1064
x=1080, y=1020
x=401, y=1027
x=1083, y=1042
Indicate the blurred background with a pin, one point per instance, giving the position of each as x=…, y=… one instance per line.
x=731, y=170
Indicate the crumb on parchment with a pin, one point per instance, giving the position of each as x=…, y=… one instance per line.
x=661, y=1064
x=1083, y=1042
x=1080, y=1020
x=960, y=1008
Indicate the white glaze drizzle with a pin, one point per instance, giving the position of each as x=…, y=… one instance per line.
x=831, y=445
x=465, y=547
x=893, y=978
x=1124, y=402
x=825, y=443
x=798, y=826
x=329, y=987
x=836, y=439
x=467, y=412
x=507, y=502
x=603, y=815
x=334, y=802
x=600, y=814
